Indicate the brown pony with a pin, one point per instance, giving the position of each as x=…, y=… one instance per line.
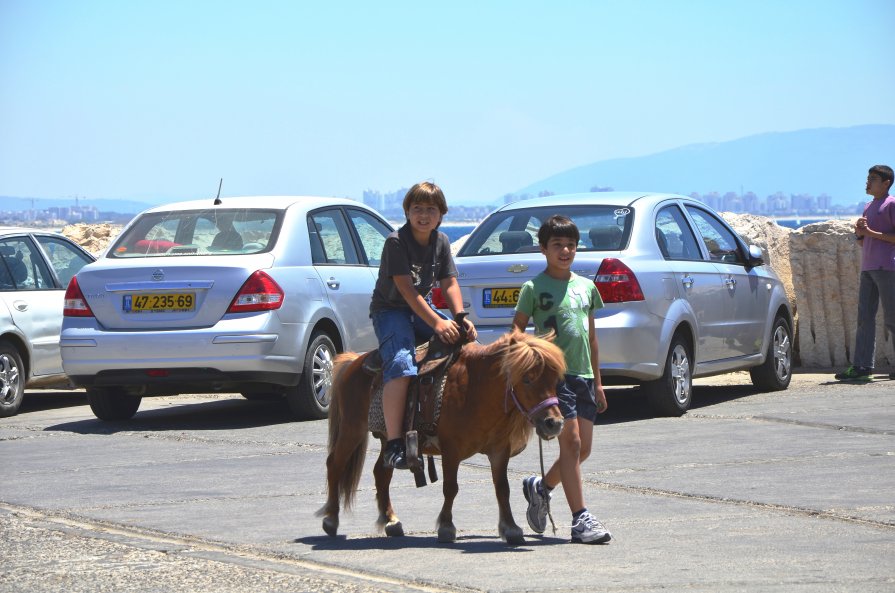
x=492, y=397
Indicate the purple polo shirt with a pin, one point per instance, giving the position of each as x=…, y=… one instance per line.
x=877, y=254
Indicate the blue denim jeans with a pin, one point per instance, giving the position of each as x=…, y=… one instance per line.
x=398, y=332
x=876, y=286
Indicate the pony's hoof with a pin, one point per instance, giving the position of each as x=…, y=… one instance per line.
x=330, y=526
x=447, y=534
x=394, y=529
x=513, y=537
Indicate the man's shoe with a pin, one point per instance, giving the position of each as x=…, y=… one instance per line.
x=538, y=503
x=395, y=457
x=587, y=530
x=854, y=373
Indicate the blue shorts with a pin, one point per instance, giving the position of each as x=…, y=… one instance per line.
x=398, y=332
x=576, y=398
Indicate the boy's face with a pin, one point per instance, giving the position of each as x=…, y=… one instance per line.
x=877, y=186
x=423, y=217
x=560, y=252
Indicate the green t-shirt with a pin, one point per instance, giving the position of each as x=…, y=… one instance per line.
x=563, y=306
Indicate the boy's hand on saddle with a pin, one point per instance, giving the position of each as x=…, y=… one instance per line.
x=448, y=331
x=471, y=334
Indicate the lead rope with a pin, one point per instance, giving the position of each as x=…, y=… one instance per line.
x=549, y=512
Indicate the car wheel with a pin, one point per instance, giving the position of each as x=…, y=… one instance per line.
x=12, y=383
x=310, y=398
x=111, y=403
x=671, y=395
x=775, y=373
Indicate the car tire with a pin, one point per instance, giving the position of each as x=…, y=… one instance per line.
x=110, y=403
x=12, y=380
x=775, y=373
x=309, y=400
x=672, y=394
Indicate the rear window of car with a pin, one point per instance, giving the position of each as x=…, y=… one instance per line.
x=218, y=231
x=602, y=228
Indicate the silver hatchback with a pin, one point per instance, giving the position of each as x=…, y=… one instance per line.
x=685, y=296
x=255, y=295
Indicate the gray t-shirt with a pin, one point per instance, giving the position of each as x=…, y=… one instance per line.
x=403, y=256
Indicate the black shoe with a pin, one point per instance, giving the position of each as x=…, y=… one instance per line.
x=395, y=456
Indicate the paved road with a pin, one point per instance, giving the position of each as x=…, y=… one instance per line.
x=747, y=492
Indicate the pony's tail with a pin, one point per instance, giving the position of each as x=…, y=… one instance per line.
x=341, y=389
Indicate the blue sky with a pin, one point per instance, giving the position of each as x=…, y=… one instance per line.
x=157, y=100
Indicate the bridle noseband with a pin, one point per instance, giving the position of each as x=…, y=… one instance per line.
x=511, y=392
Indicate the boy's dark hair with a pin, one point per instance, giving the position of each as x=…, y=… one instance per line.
x=884, y=171
x=557, y=226
x=425, y=192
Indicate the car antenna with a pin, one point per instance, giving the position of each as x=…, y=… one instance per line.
x=217, y=200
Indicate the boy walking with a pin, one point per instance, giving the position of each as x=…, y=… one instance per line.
x=876, y=232
x=559, y=300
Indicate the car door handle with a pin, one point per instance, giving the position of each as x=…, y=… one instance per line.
x=687, y=281
x=20, y=305
x=333, y=283
x=730, y=282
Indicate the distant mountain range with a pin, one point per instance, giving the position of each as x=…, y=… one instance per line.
x=832, y=161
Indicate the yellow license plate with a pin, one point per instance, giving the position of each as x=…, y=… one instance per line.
x=500, y=297
x=160, y=303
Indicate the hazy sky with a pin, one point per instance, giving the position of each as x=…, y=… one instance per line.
x=157, y=100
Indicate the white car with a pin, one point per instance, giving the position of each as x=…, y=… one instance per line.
x=254, y=295
x=685, y=296
x=35, y=267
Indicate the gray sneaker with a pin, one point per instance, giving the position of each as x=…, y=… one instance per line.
x=537, y=504
x=587, y=530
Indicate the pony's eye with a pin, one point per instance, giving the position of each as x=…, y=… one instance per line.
x=526, y=380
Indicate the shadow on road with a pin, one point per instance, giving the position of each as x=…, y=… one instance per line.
x=629, y=404
x=227, y=414
x=472, y=544
x=38, y=401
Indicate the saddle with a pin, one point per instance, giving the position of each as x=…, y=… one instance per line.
x=423, y=394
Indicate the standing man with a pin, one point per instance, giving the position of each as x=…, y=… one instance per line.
x=876, y=232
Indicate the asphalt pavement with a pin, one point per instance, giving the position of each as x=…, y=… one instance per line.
x=789, y=491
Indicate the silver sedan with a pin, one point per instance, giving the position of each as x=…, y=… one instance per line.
x=685, y=296
x=254, y=295
x=35, y=267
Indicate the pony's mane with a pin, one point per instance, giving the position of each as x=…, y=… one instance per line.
x=524, y=353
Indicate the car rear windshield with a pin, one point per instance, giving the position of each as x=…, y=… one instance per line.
x=215, y=231
x=602, y=228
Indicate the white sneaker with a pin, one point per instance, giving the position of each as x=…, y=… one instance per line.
x=537, y=503
x=587, y=530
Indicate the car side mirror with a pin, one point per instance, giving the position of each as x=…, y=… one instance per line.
x=755, y=256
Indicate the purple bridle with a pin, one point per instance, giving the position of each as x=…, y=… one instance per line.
x=511, y=392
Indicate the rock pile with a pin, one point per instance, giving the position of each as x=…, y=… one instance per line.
x=92, y=237
x=820, y=265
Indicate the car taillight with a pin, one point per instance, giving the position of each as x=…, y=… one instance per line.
x=259, y=293
x=617, y=283
x=438, y=298
x=75, y=305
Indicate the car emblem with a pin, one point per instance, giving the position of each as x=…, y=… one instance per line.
x=158, y=275
x=517, y=268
